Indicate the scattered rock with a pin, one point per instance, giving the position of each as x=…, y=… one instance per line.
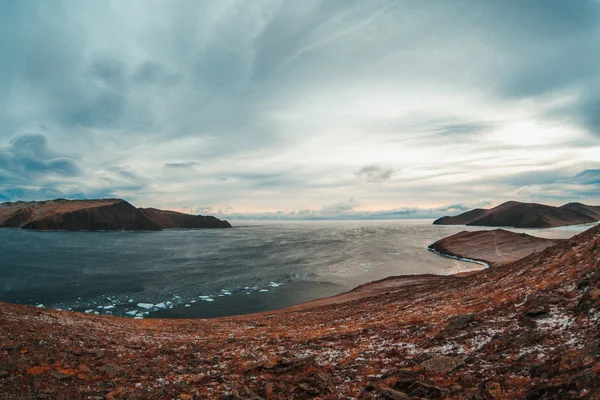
x=536, y=307
x=494, y=390
x=459, y=323
x=441, y=363
x=390, y=393
x=112, y=371
x=589, y=300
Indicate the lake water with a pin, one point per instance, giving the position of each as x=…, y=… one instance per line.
x=254, y=267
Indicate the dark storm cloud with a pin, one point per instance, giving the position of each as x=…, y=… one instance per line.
x=29, y=169
x=29, y=156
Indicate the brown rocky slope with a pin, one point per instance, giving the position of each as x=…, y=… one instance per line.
x=494, y=247
x=94, y=215
x=529, y=329
x=526, y=215
x=173, y=219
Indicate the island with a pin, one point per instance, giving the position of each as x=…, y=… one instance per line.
x=526, y=215
x=97, y=215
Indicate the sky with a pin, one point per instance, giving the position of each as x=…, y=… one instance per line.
x=301, y=108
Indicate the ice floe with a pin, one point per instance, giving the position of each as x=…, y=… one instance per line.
x=160, y=305
x=89, y=311
x=146, y=306
x=109, y=307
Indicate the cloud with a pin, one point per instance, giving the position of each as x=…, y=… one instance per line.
x=29, y=155
x=289, y=104
x=338, y=208
x=181, y=165
x=529, y=192
x=375, y=173
x=153, y=73
x=588, y=177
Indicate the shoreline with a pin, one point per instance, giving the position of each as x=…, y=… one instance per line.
x=468, y=260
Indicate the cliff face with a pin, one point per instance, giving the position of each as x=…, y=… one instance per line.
x=74, y=215
x=526, y=215
x=495, y=247
x=524, y=330
x=173, y=220
x=94, y=215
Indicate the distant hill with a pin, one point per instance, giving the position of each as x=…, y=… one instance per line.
x=96, y=215
x=526, y=215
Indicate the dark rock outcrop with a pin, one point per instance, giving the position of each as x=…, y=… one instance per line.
x=526, y=215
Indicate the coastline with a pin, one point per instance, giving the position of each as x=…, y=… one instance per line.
x=453, y=257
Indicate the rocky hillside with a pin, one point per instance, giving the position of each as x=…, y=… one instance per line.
x=526, y=215
x=173, y=219
x=524, y=330
x=494, y=247
x=95, y=215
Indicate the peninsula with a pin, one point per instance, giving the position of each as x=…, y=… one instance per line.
x=96, y=215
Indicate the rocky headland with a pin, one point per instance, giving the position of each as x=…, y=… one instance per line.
x=526, y=215
x=529, y=329
x=495, y=247
x=95, y=215
x=172, y=219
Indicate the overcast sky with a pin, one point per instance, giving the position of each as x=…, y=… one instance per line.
x=301, y=108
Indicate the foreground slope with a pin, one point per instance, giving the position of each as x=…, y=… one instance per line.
x=95, y=215
x=528, y=329
x=494, y=247
x=526, y=215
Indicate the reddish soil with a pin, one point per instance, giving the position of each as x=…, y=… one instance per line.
x=526, y=215
x=528, y=329
x=495, y=247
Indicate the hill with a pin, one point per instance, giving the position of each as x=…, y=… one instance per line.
x=526, y=215
x=524, y=330
x=494, y=248
x=95, y=215
x=173, y=219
